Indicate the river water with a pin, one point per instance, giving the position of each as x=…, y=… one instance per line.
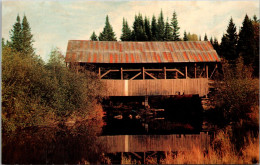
x=74, y=145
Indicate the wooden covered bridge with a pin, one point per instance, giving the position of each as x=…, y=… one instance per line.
x=147, y=68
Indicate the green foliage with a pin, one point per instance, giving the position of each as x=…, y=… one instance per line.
x=256, y=25
x=246, y=45
x=168, y=32
x=211, y=40
x=34, y=94
x=74, y=93
x=16, y=35
x=175, y=27
x=24, y=82
x=154, y=29
x=21, y=37
x=147, y=27
x=93, y=37
x=237, y=100
x=27, y=38
x=237, y=92
x=192, y=37
x=126, y=32
x=160, y=27
x=205, y=37
x=185, y=37
x=139, y=29
x=229, y=43
x=108, y=33
x=216, y=45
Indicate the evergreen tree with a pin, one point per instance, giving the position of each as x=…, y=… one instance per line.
x=175, y=27
x=205, y=37
x=211, y=40
x=108, y=33
x=230, y=42
x=27, y=38
x=185, y=38
x=199, y=38
x=215, y=45
x=154, y=29
x=246, y=45
x=126, y=32
x=138, y=29
x=223, y=47
x=93, y=37
x=160, y=27
x=168, y=32
x=147, y=27
x=3, y=42
x=256, y=24
x=16, y=35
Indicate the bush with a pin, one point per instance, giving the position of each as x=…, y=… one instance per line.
x=237, y=99
x=35, y=94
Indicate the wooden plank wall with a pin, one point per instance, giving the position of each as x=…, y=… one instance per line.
x=156, y=87
x=145, y=143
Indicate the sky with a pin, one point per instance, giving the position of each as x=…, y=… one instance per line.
x=54, y=23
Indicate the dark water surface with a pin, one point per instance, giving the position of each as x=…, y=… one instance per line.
x=181, y=115
x=50, y=145
x=74, y=145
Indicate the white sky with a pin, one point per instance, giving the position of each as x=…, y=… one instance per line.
x=53, y=23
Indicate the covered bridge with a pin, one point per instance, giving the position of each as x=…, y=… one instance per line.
x=147, y=68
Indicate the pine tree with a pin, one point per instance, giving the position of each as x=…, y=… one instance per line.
x=27, y=38
x=230, y=42
x=223, y=47
x=256, y=25
x=168, y=32
x=246, y=45
x=147, y=27
x=138, y=29
x=205, y=37
x=154, y=29
x=175, y=27
x=108, y=33
x=160, y=27
x=185, y=38
x=126, y=32
x=211, y=40
x=93, y=37
x=16, y=35
x=216, y=45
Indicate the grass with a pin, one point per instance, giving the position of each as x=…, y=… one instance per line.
x=221, y=151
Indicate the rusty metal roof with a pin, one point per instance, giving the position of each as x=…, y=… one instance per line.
x=140, y=52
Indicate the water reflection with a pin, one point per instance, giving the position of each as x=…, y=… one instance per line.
x=78, y=143
x=50, y=145
x=180, y=115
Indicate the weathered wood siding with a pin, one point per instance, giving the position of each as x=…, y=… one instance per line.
x=156, y=87
x=145, y=143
